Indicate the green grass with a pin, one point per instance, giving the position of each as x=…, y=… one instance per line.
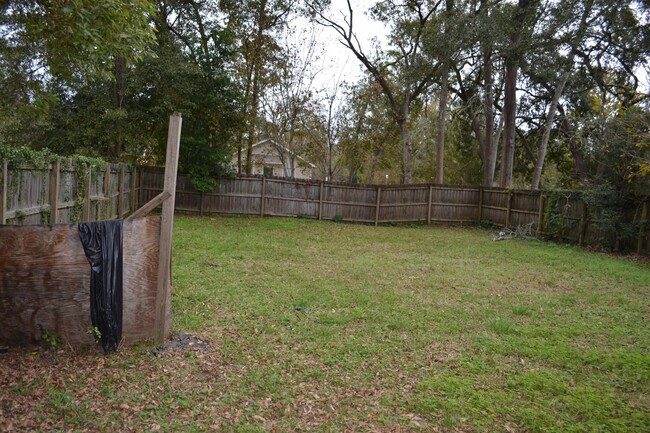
x=413, y=328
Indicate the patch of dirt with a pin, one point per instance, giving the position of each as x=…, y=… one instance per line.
x=181, y=341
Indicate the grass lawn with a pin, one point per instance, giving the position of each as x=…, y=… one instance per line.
x=400, y=329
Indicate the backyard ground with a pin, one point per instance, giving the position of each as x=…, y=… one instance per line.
x=319, y=326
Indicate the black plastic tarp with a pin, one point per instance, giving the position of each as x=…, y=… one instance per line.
x=102, y=242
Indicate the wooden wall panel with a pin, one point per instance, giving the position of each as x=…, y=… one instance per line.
x=45, y=283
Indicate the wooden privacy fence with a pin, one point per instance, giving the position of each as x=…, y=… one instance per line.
x=377, y=204
x=60, y=193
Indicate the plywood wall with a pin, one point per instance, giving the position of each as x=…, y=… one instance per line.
x=45, y=283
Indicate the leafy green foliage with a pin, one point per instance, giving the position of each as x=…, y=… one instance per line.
x=81, y=35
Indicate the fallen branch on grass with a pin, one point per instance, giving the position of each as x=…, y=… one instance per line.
x=524, y=232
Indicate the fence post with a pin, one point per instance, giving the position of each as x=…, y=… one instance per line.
x=202, y=205
x=540, y=214
x=54, y=191
x=509, y=209
x=163, y=293
x=377, y=206
x=3, y=191
x=107, y=192
x=430, y=202
x=320, y=202
x=583, y=224
x=642, y=228
x=263, y=197
x=141, y=187
x=480, y=203
x=85, y=212
x=120, y=195
x=134, y=201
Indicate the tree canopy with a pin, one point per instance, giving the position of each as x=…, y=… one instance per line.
x=520, y=93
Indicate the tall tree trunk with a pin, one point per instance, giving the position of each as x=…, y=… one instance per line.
x=442, y=115
x=510, y=94
x=489, y=144
x=255, y=96
x=407, y=146
x=256, y=82
x=509, y=114
x=548, y=125
x=488, y=149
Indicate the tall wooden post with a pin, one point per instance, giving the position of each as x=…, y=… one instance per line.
x=642, y=227
x=583, y=224
x=3, y=191
x=163, y=294
x=377, y=206
x=430, y=204
x=509, y=209
x=120, y=194
x=540, y=214
x=263, y=196
x=141, y=188
x=54, y=191
x=134, y=198
x=107, y=193
x=320, y=202
x=85, y=212
x=480, y=203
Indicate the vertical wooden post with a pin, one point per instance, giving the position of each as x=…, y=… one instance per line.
x=120, y=194
x=202, y=204
x=480, y=203
x=430, y=203
x=320, y=202
x=509, y=210
x=141, y=188
x=134, y=201
x=3, y=191
x=263, y=196
x=163, y=295
x=540, y=214
x=55, y=179
x=642, y=227
x=107, y=192
x=377, y=206
x=85, y=212
x=582, y=226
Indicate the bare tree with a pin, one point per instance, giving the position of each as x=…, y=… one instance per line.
x=403, y=72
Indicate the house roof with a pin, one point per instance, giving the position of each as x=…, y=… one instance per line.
x=279, y=146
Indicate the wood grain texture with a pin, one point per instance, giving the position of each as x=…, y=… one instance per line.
x=140, y=255
x=45, y=283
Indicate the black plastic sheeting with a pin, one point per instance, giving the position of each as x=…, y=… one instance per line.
x=102, y=242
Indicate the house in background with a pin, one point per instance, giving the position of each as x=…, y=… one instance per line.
x=272, y=159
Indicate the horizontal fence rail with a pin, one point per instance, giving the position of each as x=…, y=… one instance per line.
x=382, y=204
x=58, y=195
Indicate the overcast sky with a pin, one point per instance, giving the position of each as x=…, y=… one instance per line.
x=337, y=59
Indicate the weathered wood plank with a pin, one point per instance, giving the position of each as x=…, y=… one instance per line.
x=163, y=296
x=140, y=256
x=45, y=283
